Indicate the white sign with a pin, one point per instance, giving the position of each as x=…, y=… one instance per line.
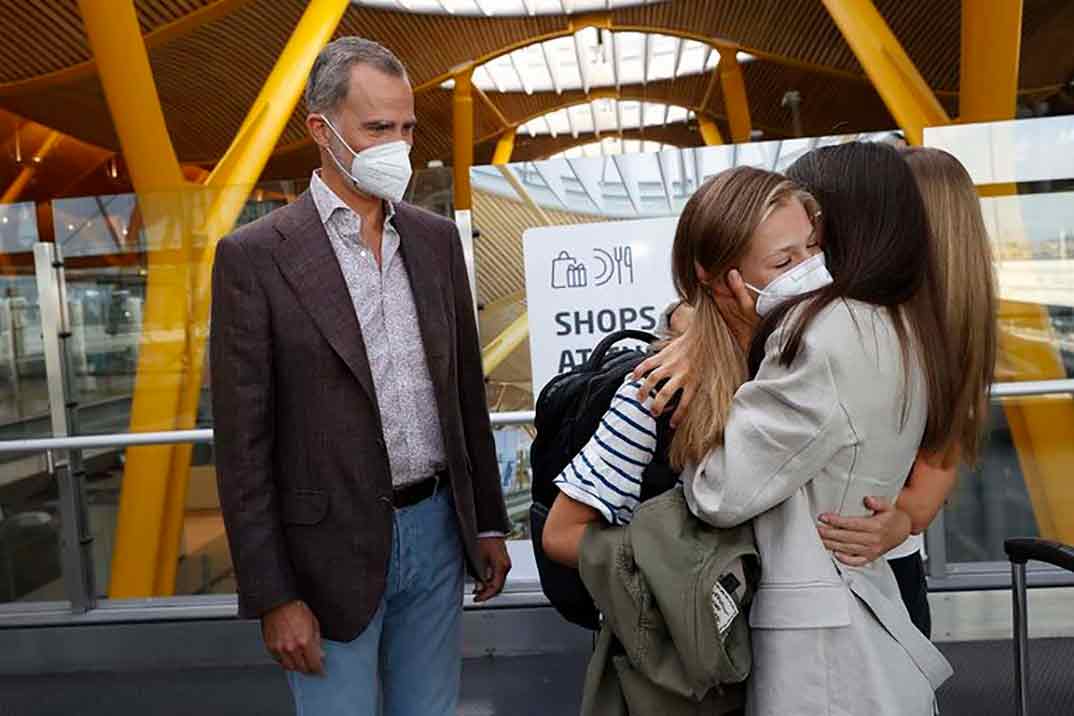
x=585, y=281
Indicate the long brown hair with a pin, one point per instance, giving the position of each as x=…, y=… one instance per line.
x=967, y=284
x=878, y=248
x=713, y=234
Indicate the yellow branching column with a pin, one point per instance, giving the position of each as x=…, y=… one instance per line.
x=123, y=64
x=166, y=395
x=906, y=94
x=229, y=186
x=991, y=53
x=1041, y=427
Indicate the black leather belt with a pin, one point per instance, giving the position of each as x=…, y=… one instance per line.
x=415, y=492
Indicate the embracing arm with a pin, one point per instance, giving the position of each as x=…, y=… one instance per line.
x=859, y=540
x=784, y=427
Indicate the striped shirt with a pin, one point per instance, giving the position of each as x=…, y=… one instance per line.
x=606, y=474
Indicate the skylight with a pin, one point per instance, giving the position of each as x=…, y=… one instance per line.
x=592, y=58
x=605, y=115
x=501, y=8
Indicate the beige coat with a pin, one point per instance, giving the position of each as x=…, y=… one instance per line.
x=820, y=436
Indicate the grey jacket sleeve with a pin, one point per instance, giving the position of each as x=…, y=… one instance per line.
x=784, y=426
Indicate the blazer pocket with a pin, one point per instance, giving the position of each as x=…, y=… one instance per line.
x=800, y=605
x=304, y=507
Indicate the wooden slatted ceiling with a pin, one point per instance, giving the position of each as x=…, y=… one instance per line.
x=829, y=104
x=1047, y=43
x=208, y=78
x=42, y=36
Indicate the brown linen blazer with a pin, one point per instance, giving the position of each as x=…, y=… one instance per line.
x=305, y=487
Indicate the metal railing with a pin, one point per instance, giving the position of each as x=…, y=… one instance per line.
x=83, y=606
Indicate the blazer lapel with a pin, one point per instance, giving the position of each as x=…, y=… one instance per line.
x=423, y=268
x=309, y=265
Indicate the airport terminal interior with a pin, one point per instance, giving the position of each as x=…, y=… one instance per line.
x=135, y=134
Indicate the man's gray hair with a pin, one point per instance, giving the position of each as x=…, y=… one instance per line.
x=330, y=77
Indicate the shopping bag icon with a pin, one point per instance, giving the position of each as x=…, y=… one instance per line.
x=568, y=272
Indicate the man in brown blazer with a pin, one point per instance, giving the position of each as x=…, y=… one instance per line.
x=356, y=463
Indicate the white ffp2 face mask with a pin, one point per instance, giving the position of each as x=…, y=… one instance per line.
x=382, y=170
x=807, y=276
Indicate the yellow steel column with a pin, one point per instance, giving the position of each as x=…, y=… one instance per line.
x=123, y=64
x=734, y=96
x=13, y=191
x=505, y=147
x=710, y=133
x=1040, y=427
x=230, y=184
x=906, y=94
x=462, y=125
x=991, y=54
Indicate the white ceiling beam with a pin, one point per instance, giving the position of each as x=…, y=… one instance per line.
x=481, y=8
x=680, y=45
x=488, y=73
x=570, y=122
x=667, y=111
x=593, y=112
x=618, y=117
x=583, y=66
x=530, y=10
x=565, y=7
x=521, y=77
x=615, y=58
x=645, y=59
x=589, y=176
x=664, y=164
x=444, y=7
x=556, y=84
x=708, y=55
x=548, y=123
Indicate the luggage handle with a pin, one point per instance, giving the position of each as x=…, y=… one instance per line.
x=597, y=356
x=1022, y=549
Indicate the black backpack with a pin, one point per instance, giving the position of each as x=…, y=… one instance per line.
x=569, y=409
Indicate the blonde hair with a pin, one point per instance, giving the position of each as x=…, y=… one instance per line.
x=712, y=235
x=967, y=285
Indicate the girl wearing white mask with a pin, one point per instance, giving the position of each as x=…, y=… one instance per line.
x=744, y=218
x=848, y=383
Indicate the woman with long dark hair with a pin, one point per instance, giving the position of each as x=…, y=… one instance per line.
x=848, y=383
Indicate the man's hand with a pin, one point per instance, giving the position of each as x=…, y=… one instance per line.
x=857, y=541
x=495, y=564
x=293, y=638
x=672, y=364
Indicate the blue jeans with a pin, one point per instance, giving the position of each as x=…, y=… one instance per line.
x=409, y=658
